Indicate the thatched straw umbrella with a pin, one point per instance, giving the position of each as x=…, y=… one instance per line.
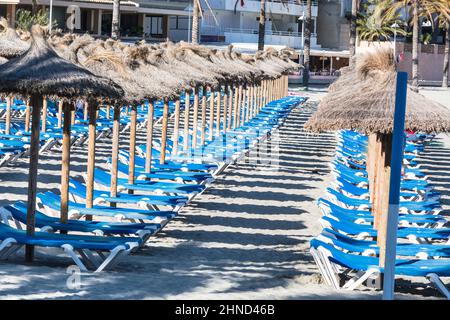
x=10, y=47
x=41, y=72
x=364, y=100
x=199, y=58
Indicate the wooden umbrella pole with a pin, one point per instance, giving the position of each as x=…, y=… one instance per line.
x=370, y=165
x=44, y=115
x=108, y=111
x=203, y=130
x=241, y=102
x=86, y=111
x=230, y=107
x=211, y=114
x=287, y=85
x=270, y=87
x=91, y=157
x=27, y=116
x=225, y=110
x=8, y=115
x=235, y=106
x=218, y=110
x=263, y=95
x=115, y=152
x=187, y=105
x=257, y=100
x=280, y=87
x=176, y=128
x=245, y=104
x=384, y=194
x=73, y=114
x=378, y=157
x=65, y=162
x=195, y=120
x=278, y=91
x=273, y=84
x=60, y=113
x=131, y=160
x=162, y=158
x=252, y=101
x=249, y=103
x=266, y=92
x=36, y=101
x=271, y=90
x=149, y=138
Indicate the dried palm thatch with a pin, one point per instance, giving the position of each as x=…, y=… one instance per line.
x=102, y=62
x=200, y=58
x=262, y=61
x=11, y=45
x=178, y=63
x=158, y=83
x=41, y=71
x=365, y=101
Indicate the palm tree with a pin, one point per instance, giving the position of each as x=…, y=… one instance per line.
x=420, y=8
x=446, y=54
x=353, y=18
x=34, y=7
x=115, y=24
x=262, y=25
x=307, y=46
x=196, y=10
x=374, y=24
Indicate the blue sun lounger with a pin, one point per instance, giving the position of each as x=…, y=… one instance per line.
x=364, y=216
x=77, y=190
x=413, y=234
x=52, y=202
x=179, y=176
x=355, y=203
x=103, y=178
x=88, y=252
x=335, y=263
x=18, y=211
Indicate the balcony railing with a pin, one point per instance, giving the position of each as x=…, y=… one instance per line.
x=268, y=32
x=299, y=2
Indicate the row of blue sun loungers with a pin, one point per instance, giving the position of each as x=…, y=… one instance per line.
x=346, y=251
x=15, y=145
x=121, y=224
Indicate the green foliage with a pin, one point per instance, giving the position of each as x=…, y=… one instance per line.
x=25, y=19
x=425, y=8
x=426, y=38
x=375, y=22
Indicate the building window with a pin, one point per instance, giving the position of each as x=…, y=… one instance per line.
x=179, y=23
x=156, y=26
x=313, y=26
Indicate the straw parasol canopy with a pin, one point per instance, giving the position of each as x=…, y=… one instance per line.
x=158, y=83
x=364, y=100
x=200, y=58
x=11, y=45
x=42, y=71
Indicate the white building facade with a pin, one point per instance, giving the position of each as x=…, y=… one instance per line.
x=236, y=21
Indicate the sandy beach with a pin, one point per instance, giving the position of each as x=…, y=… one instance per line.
x=247, y=237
